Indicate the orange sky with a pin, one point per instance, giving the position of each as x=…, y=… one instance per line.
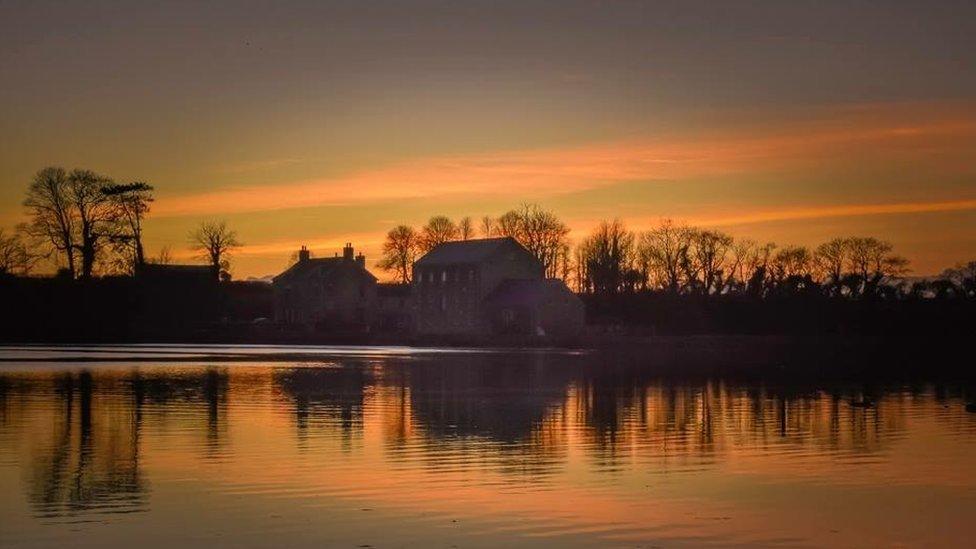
x=323, y=124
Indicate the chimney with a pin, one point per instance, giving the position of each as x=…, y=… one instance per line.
x=361, y=260
x=347, y=252
x=303, y=254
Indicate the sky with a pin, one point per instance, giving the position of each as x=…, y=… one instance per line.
x=320, y=123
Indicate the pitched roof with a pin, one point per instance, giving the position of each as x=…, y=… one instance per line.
x=325, y=264
x=465, y=251
x=525, y=292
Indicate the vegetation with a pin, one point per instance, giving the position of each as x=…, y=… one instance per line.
x=214, y=242
x=87, y=224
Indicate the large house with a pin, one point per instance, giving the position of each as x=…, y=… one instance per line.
x=323, y=293
x=490, y=286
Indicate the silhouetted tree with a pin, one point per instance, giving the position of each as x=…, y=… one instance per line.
x=607, y=254
x=52, y=216
x=96, y=215
x=870, y=263
x=165, y=257
x=487, y=226
x=465, y=228
x=215, y=242
x=508, y=224
x=131, y=202
x=438, y=230
x=539, y=230
x=963, y=276
x=830, y=258
x=399, y=252
x=15, y=257
x=791, y=261
x=662, y=251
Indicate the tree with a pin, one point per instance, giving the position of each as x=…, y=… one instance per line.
x=539, y=230
x=663, y=250
x=96, y=215
x=399, y=252
x=750, y=265
x=962, y=277
x=15, y=256
x=165, y=257
x=438, y=230
x=509, y=224
x=215, y=242
x=466, y=228
x=870, y=263
x=791, y=262
x=607, y=254
x=52, y=217
x=487, y=226
x=131, y=203
x=830, y=258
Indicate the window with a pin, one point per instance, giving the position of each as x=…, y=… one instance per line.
x=444, y=276
x=470, y=275
x=430, y=276
x=443, y=302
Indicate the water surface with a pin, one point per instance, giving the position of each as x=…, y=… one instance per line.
x=255, y=446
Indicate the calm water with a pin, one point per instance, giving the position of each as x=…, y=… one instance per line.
x=163, y=446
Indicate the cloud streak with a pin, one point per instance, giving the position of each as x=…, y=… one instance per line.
x=536, y=174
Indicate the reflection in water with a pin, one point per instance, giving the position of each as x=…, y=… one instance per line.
x=505, y=440
x=89, y=458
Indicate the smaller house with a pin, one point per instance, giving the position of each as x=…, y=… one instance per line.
x=537, y=307
x=394, y=307
x=324, y=293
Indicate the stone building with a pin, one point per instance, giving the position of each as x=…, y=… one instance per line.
x=489, y=286
x=324, y=293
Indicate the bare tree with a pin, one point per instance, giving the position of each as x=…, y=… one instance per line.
x=607, y=253
x=830, y=258
x=543, y=234
x=466, y=228
x=750, y=264
x=15, y=256
x=963, y=278
x=215, y=242
x=96, y=216
x=487, y=226
x=52, y=217
x=791, y=262
x=664, y=250
x=399, y=252
x=711, y=251
x=165, y=257
x=509, y=224
x=131, y=202
x=870, y=263
x=438, y=230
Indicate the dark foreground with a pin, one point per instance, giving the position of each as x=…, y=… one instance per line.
x=161, y=446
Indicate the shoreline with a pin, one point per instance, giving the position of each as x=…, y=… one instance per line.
x=873, y=357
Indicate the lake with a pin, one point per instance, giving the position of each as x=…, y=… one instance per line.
x=260, y=446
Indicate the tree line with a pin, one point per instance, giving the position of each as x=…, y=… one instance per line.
x=86, y=223
x=539, y=230
x=676, y=259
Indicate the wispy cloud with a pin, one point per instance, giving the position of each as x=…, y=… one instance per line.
x=852, y=210
x=536, y=174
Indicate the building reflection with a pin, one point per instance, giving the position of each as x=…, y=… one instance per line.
x=521, y=413
x=526, y=417
x=326, y=398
